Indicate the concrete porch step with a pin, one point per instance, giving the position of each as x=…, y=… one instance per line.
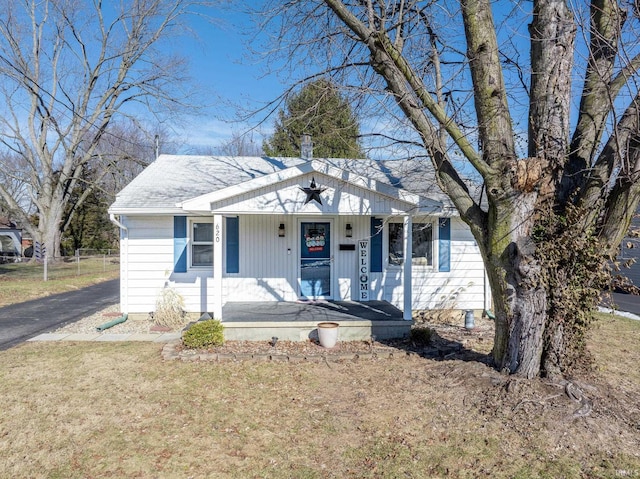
x=350, y=330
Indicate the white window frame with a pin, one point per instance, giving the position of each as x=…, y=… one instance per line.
x=193, y=242
x=415, y=262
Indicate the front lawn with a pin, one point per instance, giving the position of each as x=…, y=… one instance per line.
x=117, y=410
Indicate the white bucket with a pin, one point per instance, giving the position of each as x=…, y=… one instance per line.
x=328, y=334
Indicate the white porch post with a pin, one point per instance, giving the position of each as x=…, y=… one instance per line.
x=217, y=266
x=408, y=254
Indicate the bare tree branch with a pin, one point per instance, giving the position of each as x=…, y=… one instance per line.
x=68, y=71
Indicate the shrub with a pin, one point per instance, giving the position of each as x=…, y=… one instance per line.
x=170, y=309
x=421, y=336
x=204, y=334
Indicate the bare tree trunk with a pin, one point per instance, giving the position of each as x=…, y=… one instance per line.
x=520, y=318
x=544, y=281
x=520, y=299
x=74, y=92
x=49, y=230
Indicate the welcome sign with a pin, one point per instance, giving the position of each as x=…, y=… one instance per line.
x=363, y=270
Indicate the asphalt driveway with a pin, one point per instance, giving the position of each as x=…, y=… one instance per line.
x=23, y=321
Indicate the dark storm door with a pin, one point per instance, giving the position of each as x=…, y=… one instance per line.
x=315, y=260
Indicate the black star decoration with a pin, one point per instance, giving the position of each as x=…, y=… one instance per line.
x=313, y=192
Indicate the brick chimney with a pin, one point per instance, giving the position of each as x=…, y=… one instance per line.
x=306, y=147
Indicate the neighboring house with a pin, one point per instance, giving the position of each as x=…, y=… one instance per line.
x=10, y=241
x=222, y=230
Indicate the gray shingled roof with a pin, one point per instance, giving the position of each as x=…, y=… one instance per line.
x=171, y=179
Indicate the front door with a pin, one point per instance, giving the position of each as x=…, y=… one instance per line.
x=315, y=260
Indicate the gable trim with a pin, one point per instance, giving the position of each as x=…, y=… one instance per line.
x=204, y=202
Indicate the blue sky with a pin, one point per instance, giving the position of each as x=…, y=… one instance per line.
x=220, y=64
x=226, y=76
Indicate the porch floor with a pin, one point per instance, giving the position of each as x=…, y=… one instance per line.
x=315, y=311
x=297, y=321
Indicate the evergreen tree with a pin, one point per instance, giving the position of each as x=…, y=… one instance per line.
x=322, y=112
x=90, y=227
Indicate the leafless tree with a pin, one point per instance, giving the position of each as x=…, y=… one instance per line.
x=69, y=70
x=241, y=144
x=492, y=84
x=15, y=183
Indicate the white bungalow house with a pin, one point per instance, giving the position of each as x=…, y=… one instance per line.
x=271, y=233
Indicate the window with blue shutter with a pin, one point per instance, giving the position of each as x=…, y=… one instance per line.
x=201, y=244
x=376, y=245
x=421, y=244
x=444, y=244
x=180, y=244
x=233, y=244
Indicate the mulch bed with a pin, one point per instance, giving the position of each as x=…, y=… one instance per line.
x=443, y=341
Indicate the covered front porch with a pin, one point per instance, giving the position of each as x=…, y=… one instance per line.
x=311, y=232
x=297, y=321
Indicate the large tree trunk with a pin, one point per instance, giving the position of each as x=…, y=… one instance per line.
x=543, y=266
x=520, y=318
x=49, y=222
x=514, y=272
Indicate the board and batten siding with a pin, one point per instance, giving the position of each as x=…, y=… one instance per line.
x=463, y=287
x=266, y=261
x=268, y=266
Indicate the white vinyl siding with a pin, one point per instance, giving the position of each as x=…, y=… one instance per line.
x=461, y=288
x=149, y=267
x=269, y=266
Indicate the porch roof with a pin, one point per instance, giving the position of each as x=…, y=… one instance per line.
x=174, y=181
x=340, y=192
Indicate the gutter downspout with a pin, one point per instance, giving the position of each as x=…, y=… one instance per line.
x=124, y=267
x=113, y=219
x=112, y=323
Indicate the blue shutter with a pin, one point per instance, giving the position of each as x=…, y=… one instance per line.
x=180, y=244
x=233, y=245
x=376, y=245
x=444, y=244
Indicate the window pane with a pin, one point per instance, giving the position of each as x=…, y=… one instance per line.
x=396, y=250
x=422, y=244
x=203, y=232
x=202, y=255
